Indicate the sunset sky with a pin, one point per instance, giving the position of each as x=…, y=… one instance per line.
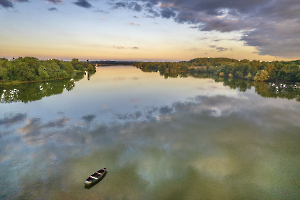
x=152, y=30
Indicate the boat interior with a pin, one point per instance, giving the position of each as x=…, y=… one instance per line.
x=96, y=175
x=90, y=179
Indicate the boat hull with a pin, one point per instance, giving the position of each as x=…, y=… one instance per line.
x=94, y=180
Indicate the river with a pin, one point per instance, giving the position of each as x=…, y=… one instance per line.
x=159, y=138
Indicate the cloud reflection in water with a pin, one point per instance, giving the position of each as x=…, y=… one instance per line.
x=193, y=148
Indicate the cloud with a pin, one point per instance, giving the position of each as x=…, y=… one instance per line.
x=55, y=1
x=83, y=3
x=21, y=1
x=167, y=13
x=128, y=5
x=135, y=48
x=229, y=39
x=100, y=11
x=134, y=6
x=6, y=4
x=52, y=9
x=9, y=4
x=118, y=47
x=120, y=5
x=220, y=49
x=204, y=38
x=152, y=13
x=264, y=24
x=277, y=39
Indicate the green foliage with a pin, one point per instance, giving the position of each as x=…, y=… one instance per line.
x=250, y=77
x=52, y=70
x=261, y=76
x=77, y=64
x=63, y=74
x=34, y=90
x=252, y=70
x=42, y=73
x=68, y=67
x=219, y=69
x=32, y=69
x=22, y=72
x=239, y=74
x=211, y=69
x=91, y=68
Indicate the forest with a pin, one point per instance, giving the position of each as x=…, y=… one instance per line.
x=287, y=71
x=30, y=69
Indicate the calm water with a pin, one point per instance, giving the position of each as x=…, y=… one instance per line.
x=160, y=138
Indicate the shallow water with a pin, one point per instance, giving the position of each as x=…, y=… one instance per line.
x=174, y=138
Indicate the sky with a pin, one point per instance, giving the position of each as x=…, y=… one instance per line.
x=150, y=30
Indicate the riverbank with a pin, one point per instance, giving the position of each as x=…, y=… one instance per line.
x=281, y=71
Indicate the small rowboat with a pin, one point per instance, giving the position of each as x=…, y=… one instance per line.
x=95, y=177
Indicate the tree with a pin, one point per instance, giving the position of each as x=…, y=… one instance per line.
x=63, y=74
x=42, y=73
x=244, y=69
x=271, y=70
x=91, y=68
x=3, y=74
x=254, y=66
x=68, y=67
x=23, y=72
x=77, y=64
x=261, y=75
x=52, y=70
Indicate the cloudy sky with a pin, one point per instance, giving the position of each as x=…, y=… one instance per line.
x=153, y=30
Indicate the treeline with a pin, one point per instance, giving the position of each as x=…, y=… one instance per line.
x=256, y=70
x=32, y=69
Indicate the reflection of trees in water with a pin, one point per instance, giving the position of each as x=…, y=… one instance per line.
x=240, y=84
x=35, y=91
x=274, y=90
x=264, y=89
x=89, y=73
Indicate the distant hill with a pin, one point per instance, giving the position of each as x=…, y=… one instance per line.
x=108, y=63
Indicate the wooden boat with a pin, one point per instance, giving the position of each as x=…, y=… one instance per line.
x=95, y=177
